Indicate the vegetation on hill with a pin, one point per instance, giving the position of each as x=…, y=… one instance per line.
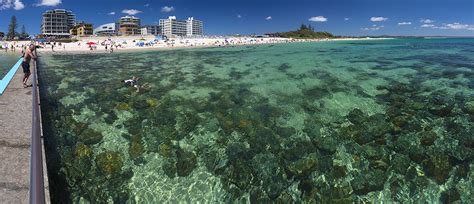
x=304, y=32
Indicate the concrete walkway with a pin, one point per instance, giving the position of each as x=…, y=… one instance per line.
x=15, y=139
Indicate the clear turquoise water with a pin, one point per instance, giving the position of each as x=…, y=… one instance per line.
x=7, y=61
x=326, y=122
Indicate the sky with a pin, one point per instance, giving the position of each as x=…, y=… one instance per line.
x=340, y=17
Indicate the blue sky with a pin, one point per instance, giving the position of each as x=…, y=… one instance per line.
x=340, y=17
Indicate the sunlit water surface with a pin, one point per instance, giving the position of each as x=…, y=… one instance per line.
x=387, y=120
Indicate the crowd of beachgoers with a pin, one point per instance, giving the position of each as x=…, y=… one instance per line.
x=117, y=43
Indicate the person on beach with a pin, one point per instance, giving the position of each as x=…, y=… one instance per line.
x=26, y=64
x=133, y=82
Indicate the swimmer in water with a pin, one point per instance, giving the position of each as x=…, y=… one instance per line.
x=133, y=82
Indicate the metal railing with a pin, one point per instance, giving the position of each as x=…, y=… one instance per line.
x=36, y=155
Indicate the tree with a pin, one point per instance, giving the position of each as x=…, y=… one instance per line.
x=23, y=34
x=12, y=28
x=303, y=27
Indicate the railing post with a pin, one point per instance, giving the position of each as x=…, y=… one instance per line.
x=36, y=156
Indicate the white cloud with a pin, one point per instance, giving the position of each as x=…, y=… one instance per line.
x=454, y=26
x=15, y=4
x=404, y=23
x=378, y=19
x=131, y=11
x=346, y=19
x=49, y=3
x=427, y=21
x=427, y=26
x=18, y=5
x=458, y=26
x=268, y=18
x=112, y=13
x=167, y=9
x=318, y=19
x=374, y=27
x=239, y=16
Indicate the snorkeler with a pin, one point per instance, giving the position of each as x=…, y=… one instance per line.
x=133, y=82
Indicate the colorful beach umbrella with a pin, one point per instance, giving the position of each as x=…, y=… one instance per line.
x=90, y=43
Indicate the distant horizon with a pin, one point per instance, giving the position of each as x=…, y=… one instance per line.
x=423, y=18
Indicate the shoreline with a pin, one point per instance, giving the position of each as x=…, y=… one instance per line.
x=130, y=46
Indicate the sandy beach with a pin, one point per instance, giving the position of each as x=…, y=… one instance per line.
x=138, y=43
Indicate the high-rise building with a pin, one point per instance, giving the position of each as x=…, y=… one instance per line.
x=129, y=25
x=108, y=29
x=173, y=27
x=57, y=23
x=194, y=27
x=151, y=30
x=82, y=29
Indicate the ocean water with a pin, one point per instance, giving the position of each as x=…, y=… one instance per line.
x=7, y=60
x=325, y=122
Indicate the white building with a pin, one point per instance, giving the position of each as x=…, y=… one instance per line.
x=151, y=30
x=194, y=27
x=57, y=23
x=174, y=27
x=106, y=29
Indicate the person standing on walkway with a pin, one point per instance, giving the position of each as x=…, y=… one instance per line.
x=26, y=64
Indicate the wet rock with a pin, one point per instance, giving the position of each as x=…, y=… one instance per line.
x=90, y=137
x=304, y=166
x=285, y=197
x=441, y=106
x=267, y=168
x=238, y=173
x=82, y=151
x=151, y=102
x=356, y=116
x=450, y=196
x=400, y=163
x=284, y=67
x=164, y=150
x=341, y=194
x=469, y=107
x=140, y=104
x=258, y=196
x=438, y=167
x=377, y=125
x=109, y=162
x=427, y=138
x=364, y=183
x=339, y=171
x=401, y=121
x=186, y=162
x=122, y=106
x=317, y=92
x=169, y=167
x=136, y=148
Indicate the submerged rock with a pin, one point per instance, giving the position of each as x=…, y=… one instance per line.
x=186, y=162
x=304, y=166
x=90, y=137
x=440, y=105
x=438, y=167
x=109, y=162
x=428, y=138
x=364, y=183
x=469, y=107
x=136, y=148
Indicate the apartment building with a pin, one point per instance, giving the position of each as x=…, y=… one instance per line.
x=57, y=23
x=194, y=27
x=129, y=25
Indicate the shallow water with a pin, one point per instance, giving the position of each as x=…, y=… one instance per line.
x=7, y=60
x=388, y=120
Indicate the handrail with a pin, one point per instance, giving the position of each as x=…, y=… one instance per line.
x=36, y=156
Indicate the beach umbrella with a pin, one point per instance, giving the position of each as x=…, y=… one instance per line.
x=90, y=43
